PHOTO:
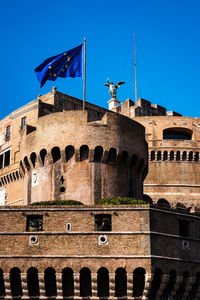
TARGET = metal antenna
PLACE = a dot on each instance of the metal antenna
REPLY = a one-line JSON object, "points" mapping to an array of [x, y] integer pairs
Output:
{"points": [[135, 70]]}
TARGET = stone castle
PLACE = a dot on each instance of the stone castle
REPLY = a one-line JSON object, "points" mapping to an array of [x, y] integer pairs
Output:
{"points": [[51, 149]]}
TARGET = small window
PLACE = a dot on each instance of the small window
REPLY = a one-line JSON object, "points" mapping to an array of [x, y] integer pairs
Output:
{"points": [[23, 122], [8, 132], [60, 103], [184, 228], [103, 222], [7, 158], [34, 223], [68, 226]]}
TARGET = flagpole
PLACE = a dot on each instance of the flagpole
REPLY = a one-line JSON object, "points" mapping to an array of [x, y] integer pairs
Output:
{"points": [[84, 71], [135, 70]]}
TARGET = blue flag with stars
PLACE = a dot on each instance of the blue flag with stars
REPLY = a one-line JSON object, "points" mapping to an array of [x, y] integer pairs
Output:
{"points": [[66, 64]]}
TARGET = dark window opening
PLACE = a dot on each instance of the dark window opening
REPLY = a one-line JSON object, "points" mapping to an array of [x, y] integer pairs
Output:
{"points": [[50, 282], [103, 282], [124, 157], [62, 189], [23, 122], [152, 155], [27, 163], [61, 103], [1, 161], [85, 283], [184, 228], [159, 155], [69, 152], [155, 284], [43, 153], [7, 133], [184, 155], [68, 282], [103, 222], [15, 282], [112, 155], [190, 158], [7, 158], [171, 157], [165, 155], [196, 156], [163, 202], [2, 286], [33, 282], [55, 152], [34, 223], [170, 285], [138, 282], [178, 155], [98, 154], [33, 158], [177, 134], [120, 283], [84, 152]]}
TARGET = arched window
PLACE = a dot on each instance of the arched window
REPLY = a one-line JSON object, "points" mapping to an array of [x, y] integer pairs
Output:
{"points": [[178, 155], [85, 282], [184, 155], [171, 156], [69, 152], [50, 282], [84, 152], [165, 155], [15, 282], [112, 155], [190, 157], [147, 198], [196, 156], [68, 282], [138, 282], [2, 286], [159, 155], [155, 284], [33, 158], [33, 282], [103, 282], [43, 153], [152, 155], [27, 163], [55, 152], [181, 290], [120, 282], [177, 134], [163, 202], [98, 154], [170, 285]]}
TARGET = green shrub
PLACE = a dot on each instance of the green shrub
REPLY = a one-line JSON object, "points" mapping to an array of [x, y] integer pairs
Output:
{"points": [[58, 202], [121, 201]]}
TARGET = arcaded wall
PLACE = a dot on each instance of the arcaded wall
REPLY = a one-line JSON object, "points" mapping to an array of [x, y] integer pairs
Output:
{"points": [[67, 157]]}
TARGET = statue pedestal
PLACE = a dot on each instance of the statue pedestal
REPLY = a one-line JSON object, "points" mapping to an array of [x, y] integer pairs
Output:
{"points": [[113, 102]]}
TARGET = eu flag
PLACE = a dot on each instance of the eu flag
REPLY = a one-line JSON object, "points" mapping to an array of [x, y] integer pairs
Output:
{"points": [[66, 64]]}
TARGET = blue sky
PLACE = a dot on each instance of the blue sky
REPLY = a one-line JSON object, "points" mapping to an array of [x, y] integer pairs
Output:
{"points": [[168, 49]]}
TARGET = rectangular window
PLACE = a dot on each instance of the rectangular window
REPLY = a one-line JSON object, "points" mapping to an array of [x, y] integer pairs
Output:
{"points": [[1, 161], [184, 228], [103, 222], [60, 103], [5, 159], [34, 223], [7, 133], [23, 122]]}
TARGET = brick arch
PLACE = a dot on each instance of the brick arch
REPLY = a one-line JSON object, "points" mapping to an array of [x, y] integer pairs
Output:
{"points": [[112, 155], [103, 282], [85, 282], [138, 282], [33, 282], [120, 282], [68, 282], [43, 154], [33, 158], [56, 154], [69, 152], [15, 282], [98, 154], [84, 152], [50, 282]]}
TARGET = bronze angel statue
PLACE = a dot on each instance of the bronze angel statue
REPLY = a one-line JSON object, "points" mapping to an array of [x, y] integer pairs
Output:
{"points": [[113, 88]]}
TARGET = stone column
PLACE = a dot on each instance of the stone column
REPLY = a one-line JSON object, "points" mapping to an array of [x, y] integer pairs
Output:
{"points": [[24, 285], [94, 284], [59, 286], [76, 285], [112, 285], [164, 280], [147, 285], [129, 285], [41, 284], [176, 286], [6, 277], [189, 281]]}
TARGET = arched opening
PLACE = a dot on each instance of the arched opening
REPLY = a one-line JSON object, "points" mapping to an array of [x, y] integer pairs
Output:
{"points": [[159, 155], [85, 282], [69, 152], [15, 282], [120, 282], [124, 157], [190, 157], [138, 282], [181, 290], [2, 286], [178, 155], [147, 198], [165, 155], [163, 202], [84, 152], [33, 282], [103, 282], [184, 155], [55, 152], [171, 156], [169, 286], [112, 155], [195, 288], [196, 156], [33, 158], [27, 163], [98, 154], [50, 282], [155, 284], [177, 134], [153, 155], [43, 154], [68, 282]]}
